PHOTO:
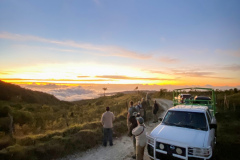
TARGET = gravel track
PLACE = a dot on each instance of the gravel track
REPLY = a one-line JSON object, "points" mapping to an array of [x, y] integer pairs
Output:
{"points": [[122, 148]]}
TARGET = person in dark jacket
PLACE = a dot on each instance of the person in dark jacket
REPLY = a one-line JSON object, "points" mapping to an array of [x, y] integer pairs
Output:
{"points": [[155, 110], [134, 124]]}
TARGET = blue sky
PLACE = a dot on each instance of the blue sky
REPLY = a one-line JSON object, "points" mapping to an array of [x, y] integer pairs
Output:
{"points": [[170, 42]]}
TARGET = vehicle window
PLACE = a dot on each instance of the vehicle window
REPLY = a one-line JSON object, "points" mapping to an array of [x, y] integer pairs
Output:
{"points": [[191, 120], [209, 114], [209, 118], [186, 96]]}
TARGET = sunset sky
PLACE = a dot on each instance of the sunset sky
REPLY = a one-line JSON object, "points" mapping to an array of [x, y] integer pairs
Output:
{"points": [[71, 46]]}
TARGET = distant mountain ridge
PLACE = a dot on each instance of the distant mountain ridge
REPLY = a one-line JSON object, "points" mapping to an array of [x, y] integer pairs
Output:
{"points": [[12, 92]]}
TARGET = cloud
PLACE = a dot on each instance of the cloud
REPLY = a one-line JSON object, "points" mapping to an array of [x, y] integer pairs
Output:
{"points": [[130, 78], [178, 73], [52, 80], [72, 93], [105, 50], [45, 87], [4, 73], [83, 76], [156, 71], [168, 60], [63, 92], [234, 67], [203, 74], [234, 53]]}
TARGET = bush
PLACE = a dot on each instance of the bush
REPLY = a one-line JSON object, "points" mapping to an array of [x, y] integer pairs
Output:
{"points": [[4, 110], [22, 117], [6, 141]]}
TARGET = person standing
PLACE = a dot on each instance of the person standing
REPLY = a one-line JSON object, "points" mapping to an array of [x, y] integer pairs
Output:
{"points": [[107, 122], [144, 107], [131, 110], [140, 134], [131, 123], [139, 107], [134, 124], [155, 110]]}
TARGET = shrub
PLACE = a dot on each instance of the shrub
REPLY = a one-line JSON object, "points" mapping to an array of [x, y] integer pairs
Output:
{"points": [[23, 117], [6, 141], [4, 110]]}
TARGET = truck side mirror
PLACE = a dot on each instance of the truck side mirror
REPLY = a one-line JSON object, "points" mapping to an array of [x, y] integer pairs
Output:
{"points": [[160, 119]]}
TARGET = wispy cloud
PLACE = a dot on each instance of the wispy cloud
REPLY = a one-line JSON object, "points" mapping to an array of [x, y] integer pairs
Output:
{"points": [[156, 71], [53, 80], [106, 50], [234, 53], [178, 73], [83, 76], [131, 78], [200, 74], [168, 60], [4, 73], [234, 67]]}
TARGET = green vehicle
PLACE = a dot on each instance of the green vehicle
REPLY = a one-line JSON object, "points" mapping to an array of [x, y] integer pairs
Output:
{"points": [[196, 97]]}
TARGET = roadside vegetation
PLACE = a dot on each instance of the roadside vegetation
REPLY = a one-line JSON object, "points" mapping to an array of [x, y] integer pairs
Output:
{"points": [[32, 129]]}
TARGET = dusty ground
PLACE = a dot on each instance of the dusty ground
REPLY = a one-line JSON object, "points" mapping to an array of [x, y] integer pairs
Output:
{"points": [[122, 148]]}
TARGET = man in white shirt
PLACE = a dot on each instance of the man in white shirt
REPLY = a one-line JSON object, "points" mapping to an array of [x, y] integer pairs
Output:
{"points": [[141, 139], [107, 122]]}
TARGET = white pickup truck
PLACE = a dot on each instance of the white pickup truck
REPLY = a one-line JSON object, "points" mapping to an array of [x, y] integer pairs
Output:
{"points": [[187, 132]]}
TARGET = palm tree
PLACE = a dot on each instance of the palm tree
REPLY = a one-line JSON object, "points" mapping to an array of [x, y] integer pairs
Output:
{"points": [[104, 90]]}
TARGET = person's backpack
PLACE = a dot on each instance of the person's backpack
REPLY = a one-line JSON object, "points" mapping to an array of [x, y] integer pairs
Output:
{"points": [[139, 107], [134, 124], [135, 109]]}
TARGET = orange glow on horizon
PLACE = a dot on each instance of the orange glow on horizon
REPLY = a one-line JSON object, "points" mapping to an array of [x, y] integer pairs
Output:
{"points": [[82, 82]]}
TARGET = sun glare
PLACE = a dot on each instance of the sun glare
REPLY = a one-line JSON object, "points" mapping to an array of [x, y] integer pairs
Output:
{"points": [[80, 73]]}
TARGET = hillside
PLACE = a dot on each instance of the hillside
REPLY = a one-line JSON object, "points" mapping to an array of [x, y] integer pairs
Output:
{"points": [[35, 125], [39, 126], [11, 92]]}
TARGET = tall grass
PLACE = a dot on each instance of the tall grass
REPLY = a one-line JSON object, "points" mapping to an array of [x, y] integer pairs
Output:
{"points": [[48, 131]]}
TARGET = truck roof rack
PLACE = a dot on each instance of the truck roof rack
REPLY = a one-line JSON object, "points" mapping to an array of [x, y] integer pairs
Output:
{"points": [[198, 100]]}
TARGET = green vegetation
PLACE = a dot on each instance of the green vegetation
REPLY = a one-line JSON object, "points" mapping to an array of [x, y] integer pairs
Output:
{"points": [[228, 132], [163, 93], [35, 129]]}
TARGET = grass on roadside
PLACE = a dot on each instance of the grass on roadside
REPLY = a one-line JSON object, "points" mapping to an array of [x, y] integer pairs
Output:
{"points": [[228, 135]]}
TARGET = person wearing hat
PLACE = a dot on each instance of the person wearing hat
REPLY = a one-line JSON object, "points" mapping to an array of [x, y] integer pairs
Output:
{"points": [[141, 139], [130, 116], [107, 122], [133, 125]]}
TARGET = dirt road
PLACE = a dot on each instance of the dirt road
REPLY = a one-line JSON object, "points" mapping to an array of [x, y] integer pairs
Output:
{"points": [[122, 148]]}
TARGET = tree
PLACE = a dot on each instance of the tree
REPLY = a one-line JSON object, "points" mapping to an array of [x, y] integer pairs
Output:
{"points": [[104, 89], [163, 92], [136, 89], [235, 90]]}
